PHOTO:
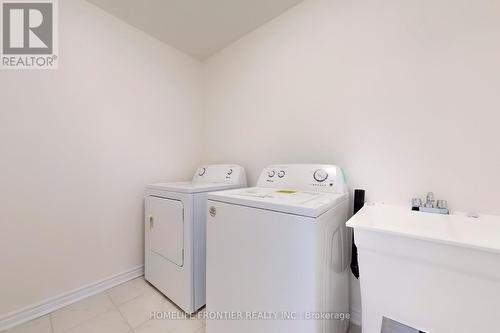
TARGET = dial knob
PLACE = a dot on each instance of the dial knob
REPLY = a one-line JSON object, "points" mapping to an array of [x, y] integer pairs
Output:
{"points": [[230, 172], [202, 171], [271, 173], [320, 175], [281, 174]]}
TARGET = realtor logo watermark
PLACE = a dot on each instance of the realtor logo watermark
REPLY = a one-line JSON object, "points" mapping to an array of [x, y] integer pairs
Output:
{"points": [[29, 34]]}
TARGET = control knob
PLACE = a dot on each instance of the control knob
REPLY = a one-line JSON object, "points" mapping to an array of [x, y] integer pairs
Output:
{"points": [[320, 175]]}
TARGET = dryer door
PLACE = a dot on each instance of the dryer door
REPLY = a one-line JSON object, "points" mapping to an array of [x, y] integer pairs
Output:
{"points": [[165, 228]]}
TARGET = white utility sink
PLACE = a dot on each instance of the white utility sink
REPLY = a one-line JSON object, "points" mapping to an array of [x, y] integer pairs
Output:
{"points": [[435, 273]]}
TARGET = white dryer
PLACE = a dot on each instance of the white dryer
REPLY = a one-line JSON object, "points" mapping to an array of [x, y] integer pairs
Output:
{"points": [[278, 254], [175, 233]]}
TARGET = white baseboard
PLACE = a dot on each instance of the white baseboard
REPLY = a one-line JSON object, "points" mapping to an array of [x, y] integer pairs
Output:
{"points": [[49, 305], [355, 316]]}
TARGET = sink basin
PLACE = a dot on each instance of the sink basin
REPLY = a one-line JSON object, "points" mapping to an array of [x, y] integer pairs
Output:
{"points": [[436, 273]]}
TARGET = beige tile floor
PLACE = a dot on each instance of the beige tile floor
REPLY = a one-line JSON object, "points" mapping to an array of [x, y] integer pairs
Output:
{"points": [[122, 309]]}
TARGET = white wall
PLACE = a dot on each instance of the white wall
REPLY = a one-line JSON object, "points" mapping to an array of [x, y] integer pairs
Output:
{"points": [[402, 94], [77, 146]]}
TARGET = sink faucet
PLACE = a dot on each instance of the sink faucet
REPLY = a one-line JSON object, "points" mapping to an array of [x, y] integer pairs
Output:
{"points": [[429, 202], [430, 205]]}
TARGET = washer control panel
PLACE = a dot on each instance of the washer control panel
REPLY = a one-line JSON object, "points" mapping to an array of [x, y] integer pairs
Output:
{"points": [[313, 177], [220, 173]]}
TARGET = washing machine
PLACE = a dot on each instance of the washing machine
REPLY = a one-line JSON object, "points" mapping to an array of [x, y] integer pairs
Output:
{"points": [[278, 254], [175, 233]]}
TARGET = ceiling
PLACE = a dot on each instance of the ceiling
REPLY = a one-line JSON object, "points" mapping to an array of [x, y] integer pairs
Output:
{"points": [[197, 27]]}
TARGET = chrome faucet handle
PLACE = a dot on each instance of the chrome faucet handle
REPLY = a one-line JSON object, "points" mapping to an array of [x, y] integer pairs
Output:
{"points": [[416, 202], [442, 204]]}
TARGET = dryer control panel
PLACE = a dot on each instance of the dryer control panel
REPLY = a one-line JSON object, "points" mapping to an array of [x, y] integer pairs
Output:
{"points": [[221, 173], [306, 177]]}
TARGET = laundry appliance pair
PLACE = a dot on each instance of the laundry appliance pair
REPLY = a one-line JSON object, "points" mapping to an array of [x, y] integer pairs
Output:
{"points": [[271, 258]]}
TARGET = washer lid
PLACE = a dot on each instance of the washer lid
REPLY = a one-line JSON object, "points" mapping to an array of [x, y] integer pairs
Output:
{"points": [[304, 203], [190, 187]]}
